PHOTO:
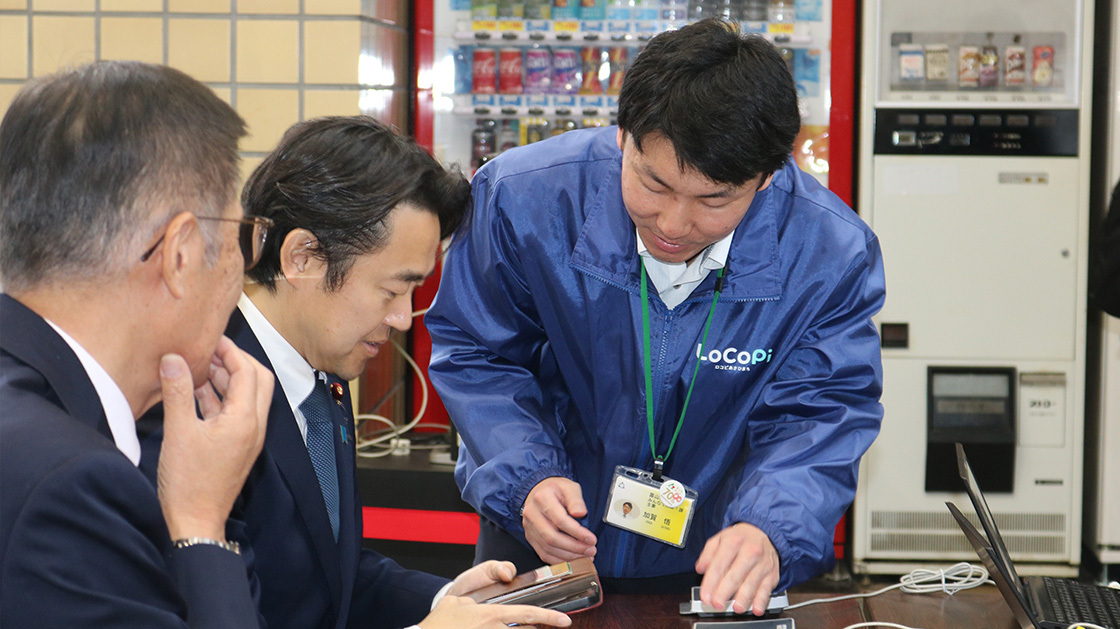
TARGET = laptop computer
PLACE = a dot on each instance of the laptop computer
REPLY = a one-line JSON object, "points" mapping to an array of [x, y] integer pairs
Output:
{"points": [[1036, 602]]}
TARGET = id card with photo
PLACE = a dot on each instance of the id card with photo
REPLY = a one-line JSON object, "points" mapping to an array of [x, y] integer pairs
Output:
{"points": [[661, 510]]}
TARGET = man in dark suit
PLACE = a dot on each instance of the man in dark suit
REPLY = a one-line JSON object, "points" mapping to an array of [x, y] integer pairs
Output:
{"points": [[119, 231], [359, 213]]}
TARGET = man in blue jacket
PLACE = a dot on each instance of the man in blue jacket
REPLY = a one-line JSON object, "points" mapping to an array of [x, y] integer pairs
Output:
{"points": [[668, 311]]}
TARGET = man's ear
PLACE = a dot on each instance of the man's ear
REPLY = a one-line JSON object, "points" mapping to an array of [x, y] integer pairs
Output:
{"points": [[182, 248], [765, 182], [298, 258]]}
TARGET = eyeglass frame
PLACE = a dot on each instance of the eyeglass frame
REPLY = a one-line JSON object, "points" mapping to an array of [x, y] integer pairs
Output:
{"points": [[253, 257]]}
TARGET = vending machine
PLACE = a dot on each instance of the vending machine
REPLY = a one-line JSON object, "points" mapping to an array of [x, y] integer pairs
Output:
{"points": [[494, 74], [1102, 477], [974, 172]]}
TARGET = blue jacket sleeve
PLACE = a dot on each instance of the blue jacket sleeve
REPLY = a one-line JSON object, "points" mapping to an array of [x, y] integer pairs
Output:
{"points": [[88, 550], [814, 422], [487, 345]]}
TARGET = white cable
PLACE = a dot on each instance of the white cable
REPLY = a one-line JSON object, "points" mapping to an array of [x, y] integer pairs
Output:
{"points": [[962, 576], [361, 444], [877, 623]]}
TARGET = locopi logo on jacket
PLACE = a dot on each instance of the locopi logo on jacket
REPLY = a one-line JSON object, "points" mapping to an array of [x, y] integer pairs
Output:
{"points": [[734, 359]]}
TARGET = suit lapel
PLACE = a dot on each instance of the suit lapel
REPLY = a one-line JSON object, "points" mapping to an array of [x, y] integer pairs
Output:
{"points": [[349, 530], [30, 338], [286, 447]]}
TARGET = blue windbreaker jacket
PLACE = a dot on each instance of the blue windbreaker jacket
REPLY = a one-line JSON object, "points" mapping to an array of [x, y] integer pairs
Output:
{"points": [[537, 354]]}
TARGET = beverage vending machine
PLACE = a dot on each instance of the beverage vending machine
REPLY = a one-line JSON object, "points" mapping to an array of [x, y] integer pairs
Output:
{"points": [[974, 173], [495, 74]]}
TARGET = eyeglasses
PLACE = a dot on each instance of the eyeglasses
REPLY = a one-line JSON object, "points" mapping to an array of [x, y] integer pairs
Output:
{"points": [[251, 236]]}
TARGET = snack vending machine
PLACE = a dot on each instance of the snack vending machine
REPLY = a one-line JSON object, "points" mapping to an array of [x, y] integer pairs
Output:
{"points": [[974, 173], [495, 74]]}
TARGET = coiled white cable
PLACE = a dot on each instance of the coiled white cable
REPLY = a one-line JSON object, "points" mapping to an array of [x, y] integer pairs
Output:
{"points": [[962, 576]]}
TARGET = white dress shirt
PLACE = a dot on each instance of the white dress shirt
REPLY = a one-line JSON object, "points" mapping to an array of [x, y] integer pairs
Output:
{"points": [[296, 375], [675, 281], [117, 411]]}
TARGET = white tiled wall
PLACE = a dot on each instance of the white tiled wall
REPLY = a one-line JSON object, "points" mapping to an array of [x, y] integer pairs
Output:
{"points": [[276, 61]]}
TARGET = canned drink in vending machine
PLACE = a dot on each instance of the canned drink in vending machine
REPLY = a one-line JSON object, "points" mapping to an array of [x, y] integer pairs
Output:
{"points": [[484, 71], [511, 9], [509, 71], [536, 130], [989, 66], [464, 59], [591, 60], [619, 59], [538, 70], [1043, 73], [968, 66], [566, 70], [538, 9], [937, 62], [1014, 65], [484, 9]]}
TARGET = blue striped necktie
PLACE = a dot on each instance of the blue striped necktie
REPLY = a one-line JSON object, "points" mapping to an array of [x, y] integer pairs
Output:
{"points": [[320, 445]]}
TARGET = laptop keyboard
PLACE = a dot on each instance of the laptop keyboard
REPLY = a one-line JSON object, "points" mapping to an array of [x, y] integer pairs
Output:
{"points": [[1076, 602]]}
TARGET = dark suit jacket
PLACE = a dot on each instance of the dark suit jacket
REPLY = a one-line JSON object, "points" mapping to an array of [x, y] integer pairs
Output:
{"points": [[305, 579], [82, 537]]}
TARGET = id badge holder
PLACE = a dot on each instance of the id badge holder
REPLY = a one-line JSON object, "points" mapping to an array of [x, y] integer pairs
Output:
{"points": [[661, 510]]}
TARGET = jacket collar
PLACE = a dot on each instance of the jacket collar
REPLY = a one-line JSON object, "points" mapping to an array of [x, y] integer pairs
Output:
{"points": [[28, 337], [607, 246], [286, 447]]}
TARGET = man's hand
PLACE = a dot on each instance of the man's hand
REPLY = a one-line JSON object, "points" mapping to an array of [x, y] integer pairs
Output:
{"points": [[739, 565], [485, 573], [203, 464], [549, 520], [454, 612]]}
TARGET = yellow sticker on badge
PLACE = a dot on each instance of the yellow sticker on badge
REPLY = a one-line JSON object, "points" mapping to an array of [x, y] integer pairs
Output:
{"points": [[635, 504]]}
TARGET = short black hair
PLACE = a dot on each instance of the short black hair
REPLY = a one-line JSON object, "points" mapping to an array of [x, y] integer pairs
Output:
{"points": [[86, 154], [340, 177], [726, 101]]}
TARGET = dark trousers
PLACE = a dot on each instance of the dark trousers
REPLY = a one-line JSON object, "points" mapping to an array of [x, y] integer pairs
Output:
{"points": [[495, 543]]}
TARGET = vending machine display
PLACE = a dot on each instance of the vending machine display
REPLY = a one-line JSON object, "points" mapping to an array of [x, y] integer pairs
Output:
{"points": [[549, 66]]}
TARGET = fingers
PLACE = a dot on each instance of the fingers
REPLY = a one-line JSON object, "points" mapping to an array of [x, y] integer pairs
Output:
{"points": [[549, 526], [527, 615], [453, 612], [177, 389], [503, 571], [482, 575], [571, 496], [740, 568]]}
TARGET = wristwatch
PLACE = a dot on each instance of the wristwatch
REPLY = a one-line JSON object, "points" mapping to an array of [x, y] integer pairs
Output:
{"points": [[232, 547]]}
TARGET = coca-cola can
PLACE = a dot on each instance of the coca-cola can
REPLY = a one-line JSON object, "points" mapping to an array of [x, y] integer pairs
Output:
{"points": [[538, 70], [484, 71], [509, 71], [566, 68]]}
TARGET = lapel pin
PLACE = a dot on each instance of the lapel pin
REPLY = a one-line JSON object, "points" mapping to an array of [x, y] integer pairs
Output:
{"points": [[336, 392]]}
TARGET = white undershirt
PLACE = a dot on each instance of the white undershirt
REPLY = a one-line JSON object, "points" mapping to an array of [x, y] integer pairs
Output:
{"points": [[675, 281], [296, 375], [117, 411]]}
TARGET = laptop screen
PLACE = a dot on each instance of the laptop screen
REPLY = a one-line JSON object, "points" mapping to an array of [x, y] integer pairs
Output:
{"points": [[1012, 593], [986, 520]]}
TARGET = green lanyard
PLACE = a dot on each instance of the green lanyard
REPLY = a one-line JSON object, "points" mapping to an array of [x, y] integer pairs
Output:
{"points": [[659, 461]]}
